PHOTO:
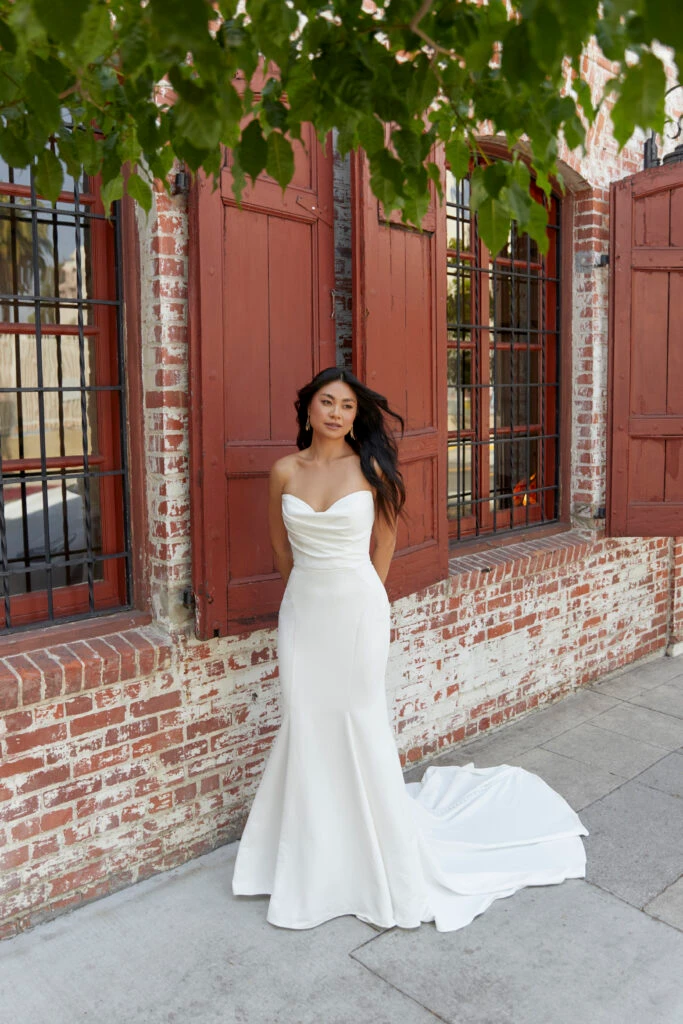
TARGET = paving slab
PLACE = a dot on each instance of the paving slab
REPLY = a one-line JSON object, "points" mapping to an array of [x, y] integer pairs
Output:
{"points": [[580, 784], [667, 698], [640, 677], [635, 847], [668, 906], [506, 744], [611, 751], [666, 775], [547, 955], [643, 724], [180, 949]]}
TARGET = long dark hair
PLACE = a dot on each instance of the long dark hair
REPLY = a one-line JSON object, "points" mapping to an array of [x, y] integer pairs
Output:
{"points": [[372, 442]]}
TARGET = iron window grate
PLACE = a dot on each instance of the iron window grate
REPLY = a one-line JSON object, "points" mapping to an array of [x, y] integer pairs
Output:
{"points": [[503, 376], [64, 518]]}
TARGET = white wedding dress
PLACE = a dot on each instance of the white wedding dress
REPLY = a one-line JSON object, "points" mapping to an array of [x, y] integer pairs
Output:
{"points": [[333, 828]]}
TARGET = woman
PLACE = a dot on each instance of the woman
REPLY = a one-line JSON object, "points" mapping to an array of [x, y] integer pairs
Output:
{"points": [[333, 829]]}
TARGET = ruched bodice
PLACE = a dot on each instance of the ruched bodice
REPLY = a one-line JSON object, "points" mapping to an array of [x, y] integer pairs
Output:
{"points": [[338, 537]]}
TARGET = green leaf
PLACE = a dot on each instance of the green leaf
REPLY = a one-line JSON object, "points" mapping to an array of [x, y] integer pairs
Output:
{"points": [[494, 224], [8, 40], [134, 47], [253, 150], [62, 20], [13, 149], [641, 99], [458, 157], [140, 191], [111, 191], [44, 102], [89, 150], [95, 37], [280, 162], [371, 134], [69, 154], [48, 175]]}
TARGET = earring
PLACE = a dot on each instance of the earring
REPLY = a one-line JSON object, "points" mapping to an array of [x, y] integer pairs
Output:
{"points": [[352, 433], [308, 423]]}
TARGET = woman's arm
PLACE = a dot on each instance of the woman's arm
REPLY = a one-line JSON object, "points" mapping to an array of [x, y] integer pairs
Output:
{"points": [[279, 541], [384, 536]]}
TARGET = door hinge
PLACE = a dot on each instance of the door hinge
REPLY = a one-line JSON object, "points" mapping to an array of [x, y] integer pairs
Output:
{"points": [[189, 600]]}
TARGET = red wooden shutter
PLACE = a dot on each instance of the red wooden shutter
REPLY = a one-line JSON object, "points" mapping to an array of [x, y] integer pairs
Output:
{"points": [[399, 311], [645, 462], [261, 278]]}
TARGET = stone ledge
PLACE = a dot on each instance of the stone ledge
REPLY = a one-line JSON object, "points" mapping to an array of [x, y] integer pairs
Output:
{"points": [[63, 669], [527, 557]]}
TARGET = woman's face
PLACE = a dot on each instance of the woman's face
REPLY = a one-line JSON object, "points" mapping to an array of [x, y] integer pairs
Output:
{"points": [[333, 409]]}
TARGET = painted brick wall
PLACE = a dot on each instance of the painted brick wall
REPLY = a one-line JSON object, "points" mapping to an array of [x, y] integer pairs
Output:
{"points": [[124, 755]]}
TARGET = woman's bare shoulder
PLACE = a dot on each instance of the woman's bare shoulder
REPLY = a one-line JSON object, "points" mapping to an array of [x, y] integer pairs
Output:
{"points": [[282, 469]]}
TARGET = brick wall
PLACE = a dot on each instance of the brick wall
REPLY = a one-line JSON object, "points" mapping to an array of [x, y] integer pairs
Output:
{"points": [[125, 754]]}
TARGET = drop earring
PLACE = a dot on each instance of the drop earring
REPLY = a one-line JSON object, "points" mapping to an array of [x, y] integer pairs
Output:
{"points": [[352, 433], [308, 423]]}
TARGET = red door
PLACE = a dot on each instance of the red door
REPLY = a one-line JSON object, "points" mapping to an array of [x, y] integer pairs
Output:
{"points": [[645, 462], [261, 327], [400, 351]]}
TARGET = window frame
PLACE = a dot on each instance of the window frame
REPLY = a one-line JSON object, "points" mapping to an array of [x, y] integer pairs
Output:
{"points": [[51, 607], [549, 511]]}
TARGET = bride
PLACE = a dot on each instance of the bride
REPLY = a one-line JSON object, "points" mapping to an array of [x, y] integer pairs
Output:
{"points": [[333, 828]]}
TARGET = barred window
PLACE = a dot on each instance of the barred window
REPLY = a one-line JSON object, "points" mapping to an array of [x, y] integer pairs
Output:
{"points": [[64, 549], [502, 316]]}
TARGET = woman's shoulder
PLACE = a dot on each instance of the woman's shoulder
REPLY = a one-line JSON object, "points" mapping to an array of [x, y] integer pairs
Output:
{"points": [[283, 468]]}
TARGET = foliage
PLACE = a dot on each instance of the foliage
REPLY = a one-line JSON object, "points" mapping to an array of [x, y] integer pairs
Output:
{"points": [[395, 77]]}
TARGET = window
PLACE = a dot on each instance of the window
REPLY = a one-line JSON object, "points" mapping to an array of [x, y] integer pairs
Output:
{"points": [[502, 375], [63, 538]]}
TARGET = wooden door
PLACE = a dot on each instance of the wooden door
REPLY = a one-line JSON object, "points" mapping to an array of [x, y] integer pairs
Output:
{"points": [[400, 351], [261, 287], [645, 460]]}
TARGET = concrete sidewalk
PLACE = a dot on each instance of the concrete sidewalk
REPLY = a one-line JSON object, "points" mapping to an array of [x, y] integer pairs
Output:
{"points": [[180, 949]]}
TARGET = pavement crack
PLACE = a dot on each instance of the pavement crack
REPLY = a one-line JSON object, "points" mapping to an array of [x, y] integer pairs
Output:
{"points": [[406, 995]]}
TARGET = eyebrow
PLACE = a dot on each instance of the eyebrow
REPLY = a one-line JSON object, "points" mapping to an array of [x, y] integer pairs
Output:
{"points": [[327, 394]]}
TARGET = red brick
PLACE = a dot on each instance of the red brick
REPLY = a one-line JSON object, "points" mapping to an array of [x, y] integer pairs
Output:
{"points": [[72, 791], [42, 779], [56, 819], [53, 677], [78, 705], [15, 722], [100, 720], [20, 767], [31, 678], [14, 810], [159, 741], [103, 759], [14, 858], [9, 690], [131, 730], [151, 705], [46, 847], [35, 738]]}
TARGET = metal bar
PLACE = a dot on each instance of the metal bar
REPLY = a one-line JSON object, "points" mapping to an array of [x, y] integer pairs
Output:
{"points": [[527, 447], [84, 409], [3, 552], [123, 417], [52, 462], [37, 477], [50, 390], [41, 403], [18, 378]]}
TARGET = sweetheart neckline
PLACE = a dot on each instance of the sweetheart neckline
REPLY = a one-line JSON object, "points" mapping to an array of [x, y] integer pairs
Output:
{"points": [[321, 511]]}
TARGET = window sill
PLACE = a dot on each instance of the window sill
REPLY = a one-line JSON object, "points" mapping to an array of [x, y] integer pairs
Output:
{"points": [[491, 560], [64, 660]]}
